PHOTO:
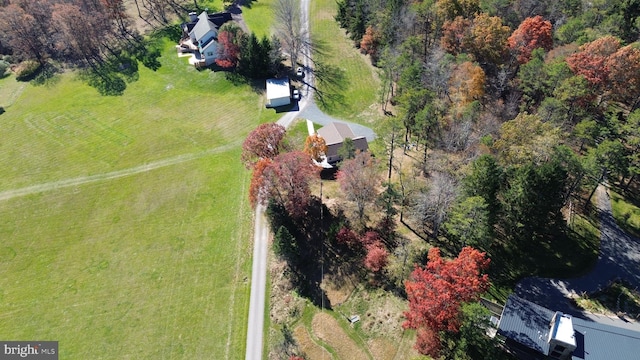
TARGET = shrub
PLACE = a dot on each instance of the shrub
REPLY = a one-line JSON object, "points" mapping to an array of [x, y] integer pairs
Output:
{"points": [[3, 68], [27, 70]]}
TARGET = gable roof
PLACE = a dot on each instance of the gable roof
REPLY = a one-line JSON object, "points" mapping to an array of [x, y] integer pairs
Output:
{"points": [[203, 26], [335, 133], [528, 324]]}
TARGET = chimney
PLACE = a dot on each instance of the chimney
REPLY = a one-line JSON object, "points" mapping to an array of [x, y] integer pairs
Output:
{"points": [[562, 340], [193, 17]]}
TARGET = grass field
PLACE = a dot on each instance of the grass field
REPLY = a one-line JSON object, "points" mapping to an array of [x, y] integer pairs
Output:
{"points": [[354, 93], [129, 261]]}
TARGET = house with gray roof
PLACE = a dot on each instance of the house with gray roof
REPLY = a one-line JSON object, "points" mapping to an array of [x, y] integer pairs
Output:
{"points": [[534, 332], [202, 33], [334, 135]]}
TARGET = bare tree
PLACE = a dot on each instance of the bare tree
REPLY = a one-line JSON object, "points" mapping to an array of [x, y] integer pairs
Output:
{"points": [[431, 206], [289, 30], [358, 180], [22, 32]]}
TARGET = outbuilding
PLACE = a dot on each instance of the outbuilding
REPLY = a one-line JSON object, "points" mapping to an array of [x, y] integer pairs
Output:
{"points": [[278, 92]]}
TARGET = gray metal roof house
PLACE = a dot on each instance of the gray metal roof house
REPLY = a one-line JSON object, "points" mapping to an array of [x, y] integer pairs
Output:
{"points": [[534, 332]]}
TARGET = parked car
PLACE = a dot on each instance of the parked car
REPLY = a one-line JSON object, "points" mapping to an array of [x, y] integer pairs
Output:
{"points": [[299, 72], [296, 94]]}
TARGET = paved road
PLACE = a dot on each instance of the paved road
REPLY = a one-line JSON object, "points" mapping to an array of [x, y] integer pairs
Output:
{"points": [[619, 259]]}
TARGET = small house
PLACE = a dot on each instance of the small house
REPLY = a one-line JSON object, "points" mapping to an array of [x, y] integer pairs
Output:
{"points": [[278, 92], [334, 135]]}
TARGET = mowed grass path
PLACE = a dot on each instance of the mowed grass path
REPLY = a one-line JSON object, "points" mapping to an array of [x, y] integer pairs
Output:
{"points": [[152, 265], [356, 90]]}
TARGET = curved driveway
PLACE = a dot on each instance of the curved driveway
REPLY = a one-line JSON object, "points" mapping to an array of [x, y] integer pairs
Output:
{"points": [[619, 258]]}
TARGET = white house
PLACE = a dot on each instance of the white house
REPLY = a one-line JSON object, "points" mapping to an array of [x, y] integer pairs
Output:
{"points": [[202, 32], [278, 92]]}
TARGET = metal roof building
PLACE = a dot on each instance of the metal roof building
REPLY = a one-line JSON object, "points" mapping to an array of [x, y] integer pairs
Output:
{"points": [[278, 92], [529, 327], [334, 135]]}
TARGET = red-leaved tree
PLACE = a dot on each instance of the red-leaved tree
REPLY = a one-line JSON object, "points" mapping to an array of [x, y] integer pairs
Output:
{"points": [[591, 60], [346, 236], [376, 258], [437, 291], [533, 33], [624, 75], [229, 42], [286, 180], [264, 142]]}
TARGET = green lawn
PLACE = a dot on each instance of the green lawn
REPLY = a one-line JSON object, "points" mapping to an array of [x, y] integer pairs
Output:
{"points": [[259, 16], [351, 84], [627, 214], [151, 265]]}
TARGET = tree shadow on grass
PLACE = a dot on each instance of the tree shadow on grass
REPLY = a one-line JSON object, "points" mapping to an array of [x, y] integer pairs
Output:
{"points": [[315, 253]]}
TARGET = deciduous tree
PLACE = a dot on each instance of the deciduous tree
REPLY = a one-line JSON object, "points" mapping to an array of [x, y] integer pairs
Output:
{"points": [[264, 142], [22, 32], [370, 43], [359, 180], [526, 138], [466, 84], [315, 146], [533, 33], [287, 179], [624, 74], [591, 60], [376, 258], [450, 9], [289, 29], [437, 291], [230, 40]]}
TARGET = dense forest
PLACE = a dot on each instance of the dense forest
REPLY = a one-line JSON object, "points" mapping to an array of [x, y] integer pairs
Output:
{"points": [[518, 109]]}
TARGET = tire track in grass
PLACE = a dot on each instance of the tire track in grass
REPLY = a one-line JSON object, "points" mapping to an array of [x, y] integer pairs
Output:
{"points": [[60, 184]]}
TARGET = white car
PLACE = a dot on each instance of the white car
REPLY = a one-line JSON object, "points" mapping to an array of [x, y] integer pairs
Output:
{"points": [[296, 94], [299, 72]]}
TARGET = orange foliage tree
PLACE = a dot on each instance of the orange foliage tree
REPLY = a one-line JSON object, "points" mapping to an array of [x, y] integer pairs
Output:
{"points": [[315, 146], [484, 37], [370, 43], [467, 83], [437, 291], [533, 33]]}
